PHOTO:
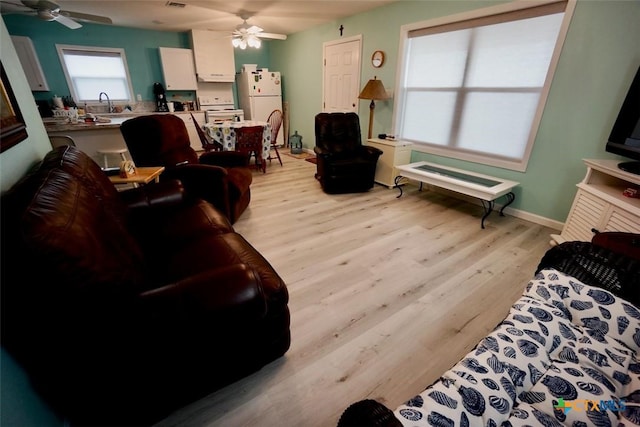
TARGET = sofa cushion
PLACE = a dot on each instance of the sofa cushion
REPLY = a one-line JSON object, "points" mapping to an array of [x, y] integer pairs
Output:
{"points": [[65, 230], [563, 345]]}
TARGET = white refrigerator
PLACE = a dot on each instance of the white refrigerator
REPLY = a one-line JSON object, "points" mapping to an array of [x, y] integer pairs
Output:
{"points": [[259, 93]]}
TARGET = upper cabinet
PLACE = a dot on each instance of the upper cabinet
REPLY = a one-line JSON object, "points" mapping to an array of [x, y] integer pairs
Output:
{"points": [[177, 67], [30, 64], [213, 54]]}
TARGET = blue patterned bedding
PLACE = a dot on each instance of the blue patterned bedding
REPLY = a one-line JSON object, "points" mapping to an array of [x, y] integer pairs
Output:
{"points": [[567, 354]]}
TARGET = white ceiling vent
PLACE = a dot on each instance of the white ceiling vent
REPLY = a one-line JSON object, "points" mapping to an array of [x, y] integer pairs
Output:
{"points": [[174, 4]]}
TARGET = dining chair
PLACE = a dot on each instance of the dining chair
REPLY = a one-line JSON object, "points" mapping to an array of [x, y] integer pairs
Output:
{"points": [[208, 144], [275, 120], [249, 141], [60, 140]]}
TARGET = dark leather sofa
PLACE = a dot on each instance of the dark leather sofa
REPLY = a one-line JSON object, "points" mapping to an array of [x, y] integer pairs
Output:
{"points": [[124, 306]]}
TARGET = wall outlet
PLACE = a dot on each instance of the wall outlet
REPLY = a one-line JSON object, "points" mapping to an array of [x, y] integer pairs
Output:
{"points": [[139, 97]]}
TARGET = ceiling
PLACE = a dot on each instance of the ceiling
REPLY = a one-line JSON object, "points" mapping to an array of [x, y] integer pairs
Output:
{"points": [[274, 16]]}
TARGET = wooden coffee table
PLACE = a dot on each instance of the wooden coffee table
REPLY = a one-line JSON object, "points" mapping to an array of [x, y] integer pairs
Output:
{"points": [[144, 175]]}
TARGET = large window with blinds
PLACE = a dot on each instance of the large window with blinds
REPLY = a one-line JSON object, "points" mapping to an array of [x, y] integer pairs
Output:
{"points": [[473, 86], [91, 70]]}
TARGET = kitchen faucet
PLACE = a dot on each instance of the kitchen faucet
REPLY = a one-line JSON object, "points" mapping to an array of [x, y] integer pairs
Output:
{"points": [[108, 101]]}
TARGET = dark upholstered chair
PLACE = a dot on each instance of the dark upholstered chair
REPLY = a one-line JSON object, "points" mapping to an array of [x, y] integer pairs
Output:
{"points": [[344, 165], [222, 178], [249, 142]]}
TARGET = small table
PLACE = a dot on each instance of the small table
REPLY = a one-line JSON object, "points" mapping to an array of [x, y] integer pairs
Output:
{"points": [[144, 175], [484, 187], [224, 134]]}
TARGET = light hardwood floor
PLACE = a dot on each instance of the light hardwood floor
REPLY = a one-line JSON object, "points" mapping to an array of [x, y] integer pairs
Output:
{"points": [[385, 295]]}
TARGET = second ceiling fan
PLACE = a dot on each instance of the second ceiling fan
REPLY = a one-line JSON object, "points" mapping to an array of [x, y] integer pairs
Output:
{"points": [[250, 35]]}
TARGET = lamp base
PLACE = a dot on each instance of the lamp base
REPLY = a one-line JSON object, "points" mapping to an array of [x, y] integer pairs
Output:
{"points": [[372, 107]]}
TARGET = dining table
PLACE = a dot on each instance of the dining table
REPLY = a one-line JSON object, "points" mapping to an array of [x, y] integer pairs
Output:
{"points": [[224, 133]]}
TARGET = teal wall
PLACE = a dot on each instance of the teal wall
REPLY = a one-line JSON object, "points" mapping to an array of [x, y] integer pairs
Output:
{"points": [[597, 64], [141, 49], [599, 59], [19, 403]]}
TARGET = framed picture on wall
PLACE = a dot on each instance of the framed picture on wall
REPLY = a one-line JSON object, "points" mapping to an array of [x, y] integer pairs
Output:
{"points": [[12, 126]]}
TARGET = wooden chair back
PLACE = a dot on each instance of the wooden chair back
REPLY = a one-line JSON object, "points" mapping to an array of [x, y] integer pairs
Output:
{"points": [[208, 143], [249, 141]]}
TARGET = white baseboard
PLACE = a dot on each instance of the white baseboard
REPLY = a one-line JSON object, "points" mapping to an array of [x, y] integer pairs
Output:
{"points": [[517, 213]]}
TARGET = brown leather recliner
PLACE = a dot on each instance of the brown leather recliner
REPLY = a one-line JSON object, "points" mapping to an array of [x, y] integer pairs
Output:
{"points": [[124, 306], [344, 165], [222, 178]]}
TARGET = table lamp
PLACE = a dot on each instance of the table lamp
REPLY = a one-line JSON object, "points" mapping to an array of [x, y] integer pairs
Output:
{"points": [[373, 90]]}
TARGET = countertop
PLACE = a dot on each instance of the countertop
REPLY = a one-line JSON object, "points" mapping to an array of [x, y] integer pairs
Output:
{"points": [[52, 124]]}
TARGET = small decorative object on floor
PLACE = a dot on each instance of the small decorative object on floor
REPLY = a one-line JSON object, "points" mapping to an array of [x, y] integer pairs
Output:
{"points": [[295, 141]]}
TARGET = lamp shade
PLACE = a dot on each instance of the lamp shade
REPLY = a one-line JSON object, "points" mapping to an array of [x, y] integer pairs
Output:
{"points": [[374, 89]]}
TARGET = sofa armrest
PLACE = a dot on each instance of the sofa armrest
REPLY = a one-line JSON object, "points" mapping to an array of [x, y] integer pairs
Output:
{"points": [[371, 152], [233, 292], [226, 159], [203, 182], [321, 151], [166, 193]]}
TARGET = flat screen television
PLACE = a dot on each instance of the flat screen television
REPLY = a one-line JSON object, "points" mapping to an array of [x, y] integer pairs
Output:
{"points": [[625, 135]]}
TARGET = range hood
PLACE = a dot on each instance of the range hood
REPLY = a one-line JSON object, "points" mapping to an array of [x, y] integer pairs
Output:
{"points": [[216, 78], [213, 56]]}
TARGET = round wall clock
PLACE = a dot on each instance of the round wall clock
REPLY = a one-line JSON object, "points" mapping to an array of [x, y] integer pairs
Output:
{"points": [[377, 59]]}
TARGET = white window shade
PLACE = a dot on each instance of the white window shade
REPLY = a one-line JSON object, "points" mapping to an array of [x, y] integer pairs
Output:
{"points": [[475, 86], [90, 72]]}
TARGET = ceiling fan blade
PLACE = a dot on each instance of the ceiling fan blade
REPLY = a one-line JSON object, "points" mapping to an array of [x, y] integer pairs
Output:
{"points": [[40, 4], [86, 17], [272, 36], [67, 22]]}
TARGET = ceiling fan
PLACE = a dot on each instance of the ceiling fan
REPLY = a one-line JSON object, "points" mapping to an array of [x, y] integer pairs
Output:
{"points": [[49, 11], [250, 35]]}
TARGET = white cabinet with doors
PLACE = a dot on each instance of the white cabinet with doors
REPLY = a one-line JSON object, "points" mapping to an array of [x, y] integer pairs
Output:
{"points": [[213, 56], [599, 204], [394, 153], [30, 63], [178, 69]]}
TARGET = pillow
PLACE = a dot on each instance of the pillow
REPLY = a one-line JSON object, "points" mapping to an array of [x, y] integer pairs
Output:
{"points": [[627, 244]]}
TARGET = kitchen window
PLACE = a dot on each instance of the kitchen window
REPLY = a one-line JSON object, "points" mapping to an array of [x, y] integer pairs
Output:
{"points": [[473, 86], [92, 70]]}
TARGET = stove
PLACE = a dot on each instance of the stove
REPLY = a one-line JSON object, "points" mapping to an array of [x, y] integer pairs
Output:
{"points": [[219, 108]]}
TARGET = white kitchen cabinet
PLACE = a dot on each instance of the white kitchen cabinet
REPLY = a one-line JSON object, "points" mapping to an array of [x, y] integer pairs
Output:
{"points": [[600, 205], [213, 56], [194, 139], [394, 153], [178, 69], [30, 63]]}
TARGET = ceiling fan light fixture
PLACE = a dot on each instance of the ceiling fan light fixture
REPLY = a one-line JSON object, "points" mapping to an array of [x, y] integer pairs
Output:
{"points": [[253, 41]]}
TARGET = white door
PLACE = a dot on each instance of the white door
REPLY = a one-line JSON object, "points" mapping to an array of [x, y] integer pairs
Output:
{"points": [[341, 74]]}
